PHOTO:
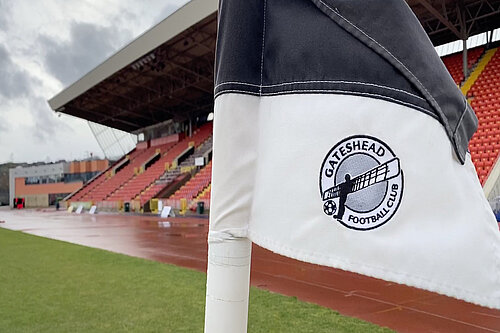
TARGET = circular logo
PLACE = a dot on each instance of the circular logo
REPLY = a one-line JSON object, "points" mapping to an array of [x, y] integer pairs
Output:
{"points": [[361, 182]]}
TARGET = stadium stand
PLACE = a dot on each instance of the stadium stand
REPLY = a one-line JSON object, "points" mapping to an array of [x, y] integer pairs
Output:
{"points": [[114, 181], [454, 63], [204, 196], [100, 178], [139, 183], [146, 170], [171, 175], [142, 174], [485, 99], [206, 193], [195, 186]]}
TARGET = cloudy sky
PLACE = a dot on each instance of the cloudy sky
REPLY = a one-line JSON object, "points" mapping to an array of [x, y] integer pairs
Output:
{"points": [[44, 47]]}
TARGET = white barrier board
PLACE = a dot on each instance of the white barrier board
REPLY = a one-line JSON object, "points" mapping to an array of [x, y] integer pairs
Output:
{"points": [[199, 161], [165, 212], [160, 206]]}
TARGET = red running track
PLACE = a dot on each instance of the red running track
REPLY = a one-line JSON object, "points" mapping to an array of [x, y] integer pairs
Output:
{"points": [[182, 241]]}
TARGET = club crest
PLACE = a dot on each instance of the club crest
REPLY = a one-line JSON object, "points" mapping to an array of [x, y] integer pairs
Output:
{"points": [[361, 183]]}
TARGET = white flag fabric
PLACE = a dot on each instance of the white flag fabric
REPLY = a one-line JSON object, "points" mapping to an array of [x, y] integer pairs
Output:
{"points": [[330, 150]]}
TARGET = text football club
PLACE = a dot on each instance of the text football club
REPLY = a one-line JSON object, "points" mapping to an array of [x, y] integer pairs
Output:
{"points": [[361, 182]]}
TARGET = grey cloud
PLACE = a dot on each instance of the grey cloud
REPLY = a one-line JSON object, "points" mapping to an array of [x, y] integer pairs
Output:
{"points": [[14, 81], [4, 14], [126, 17], [88, 46], [4, 125], [46, 124]]}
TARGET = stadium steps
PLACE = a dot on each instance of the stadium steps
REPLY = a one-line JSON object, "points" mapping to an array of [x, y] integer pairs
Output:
{"points": [[204, 192], [112, 172], [202, 141], [99, 179], [159, 184], [481, 65], [195, 185], [172, 175], [139, 177], [454, 63], [472, 63], [122, 176], [485, 93], [203, 196], [142, 186], [80, 193]]}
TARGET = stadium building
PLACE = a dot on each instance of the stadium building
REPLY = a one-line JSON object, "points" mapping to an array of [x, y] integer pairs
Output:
{"points": [[159, 88], [42, 185]]}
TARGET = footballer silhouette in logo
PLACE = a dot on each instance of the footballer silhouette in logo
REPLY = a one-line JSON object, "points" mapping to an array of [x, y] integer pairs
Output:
{"points": [[371, 197], [344, 189]]}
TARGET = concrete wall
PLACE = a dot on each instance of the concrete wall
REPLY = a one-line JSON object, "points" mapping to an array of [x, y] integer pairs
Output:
{"points": [[36, 200]]}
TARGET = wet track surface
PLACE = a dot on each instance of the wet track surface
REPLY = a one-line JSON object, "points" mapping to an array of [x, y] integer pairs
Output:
{"points": [[182, 241]]}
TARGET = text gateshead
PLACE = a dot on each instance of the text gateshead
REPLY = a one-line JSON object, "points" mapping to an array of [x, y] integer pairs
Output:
{"points": [[357, 145]]}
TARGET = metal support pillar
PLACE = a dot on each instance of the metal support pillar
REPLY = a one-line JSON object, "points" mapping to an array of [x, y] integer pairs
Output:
{"points": [[464, 34], [464, 58]]}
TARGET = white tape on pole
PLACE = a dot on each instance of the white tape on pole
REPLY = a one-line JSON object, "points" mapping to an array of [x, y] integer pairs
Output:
{"points": [[228, 283]]}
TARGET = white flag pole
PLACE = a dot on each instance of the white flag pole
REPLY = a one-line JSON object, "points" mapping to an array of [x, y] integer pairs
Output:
{"points": [[228, 282]]}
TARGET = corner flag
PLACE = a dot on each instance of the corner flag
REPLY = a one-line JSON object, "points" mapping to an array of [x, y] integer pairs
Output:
{"points": [[340, 139]]}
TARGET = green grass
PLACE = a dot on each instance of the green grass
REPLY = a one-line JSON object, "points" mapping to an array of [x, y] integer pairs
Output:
{"points": [[52, 286]]}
